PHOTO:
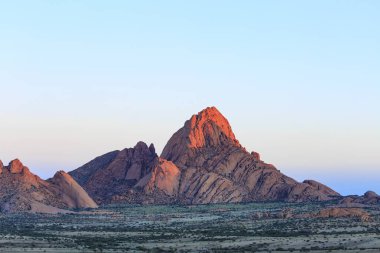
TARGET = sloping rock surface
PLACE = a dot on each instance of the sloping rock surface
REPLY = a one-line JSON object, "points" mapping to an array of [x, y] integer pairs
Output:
{"points": [[23, 191]]}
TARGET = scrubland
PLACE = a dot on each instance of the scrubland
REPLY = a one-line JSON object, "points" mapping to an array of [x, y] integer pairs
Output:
{"points": [[253, 227]]}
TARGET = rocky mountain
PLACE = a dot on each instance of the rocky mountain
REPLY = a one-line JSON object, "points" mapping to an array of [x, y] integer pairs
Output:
{"points": [[21, 190], [133, 175], [216, 168], [203, 162]]}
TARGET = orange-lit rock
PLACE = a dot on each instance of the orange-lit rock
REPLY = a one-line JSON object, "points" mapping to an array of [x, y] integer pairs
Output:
{"points": [[209, 128], [16, 166], [164, 177]]}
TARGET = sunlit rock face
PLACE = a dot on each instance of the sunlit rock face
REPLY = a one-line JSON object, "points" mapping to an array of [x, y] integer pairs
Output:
{"points": [[22, 191], [203, 162], [16, 166], [209, 129]]}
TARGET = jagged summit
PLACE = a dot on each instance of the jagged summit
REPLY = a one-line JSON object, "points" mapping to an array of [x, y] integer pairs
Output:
{"points": [[207, 129], [16, 166], [141, 149]]}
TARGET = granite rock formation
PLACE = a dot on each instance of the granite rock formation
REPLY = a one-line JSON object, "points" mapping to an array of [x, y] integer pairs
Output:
{"points": [[133, 175], [22, 191], [202, 163], [216, 168]]}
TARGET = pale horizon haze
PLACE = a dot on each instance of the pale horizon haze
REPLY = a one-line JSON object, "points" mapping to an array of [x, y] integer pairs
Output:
{"points": [[299, 81]]}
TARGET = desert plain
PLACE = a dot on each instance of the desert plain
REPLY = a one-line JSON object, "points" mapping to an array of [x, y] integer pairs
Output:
{"points": [[244, 227]]}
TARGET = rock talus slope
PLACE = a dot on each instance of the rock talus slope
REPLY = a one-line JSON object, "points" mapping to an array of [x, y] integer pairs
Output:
{"points": [[22, 191], [203, 162]]}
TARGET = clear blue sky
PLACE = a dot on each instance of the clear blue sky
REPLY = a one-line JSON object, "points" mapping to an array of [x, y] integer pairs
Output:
{"points": [[298, 80]]}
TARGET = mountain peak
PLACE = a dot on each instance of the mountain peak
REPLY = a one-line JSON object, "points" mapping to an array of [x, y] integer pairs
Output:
{"points": [[210, 109], [141, 149], [209, 128]]}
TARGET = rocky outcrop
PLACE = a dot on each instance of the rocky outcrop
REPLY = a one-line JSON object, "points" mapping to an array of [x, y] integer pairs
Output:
{"points": [[369, 198], [216, 168], [23, 191], [16, 167], [164, 177], [202, 163], [133, 175], [336, 212], [286, 213]]}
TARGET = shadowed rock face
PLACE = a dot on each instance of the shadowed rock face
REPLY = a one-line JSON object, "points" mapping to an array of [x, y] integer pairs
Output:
{"points": [[21, 190], [203, 162], [134, 175]]}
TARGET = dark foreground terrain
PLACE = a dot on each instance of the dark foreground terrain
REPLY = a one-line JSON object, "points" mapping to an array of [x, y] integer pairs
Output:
{"points": [[258, 227]]}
